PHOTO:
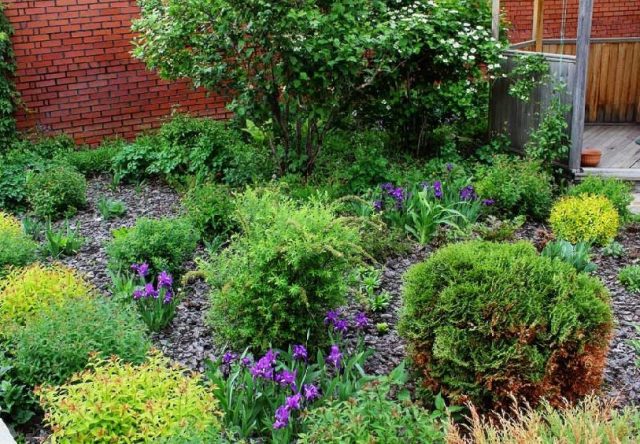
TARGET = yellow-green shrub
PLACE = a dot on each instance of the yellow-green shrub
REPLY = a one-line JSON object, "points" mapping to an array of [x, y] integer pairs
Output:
{"points": [[115, 402], [585, 218], [16, 248], [25, 292], [9, 224]]}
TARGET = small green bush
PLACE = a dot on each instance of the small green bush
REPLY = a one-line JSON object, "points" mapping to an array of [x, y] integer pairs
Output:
{"points": [[16, 248], [279, 277], [210, 209], [113, 401], [518, 187], [55, 192], [585, 218], [92, 162], [629, 276], [616, 190], [56, 344], [165, 244], [486, 320]]}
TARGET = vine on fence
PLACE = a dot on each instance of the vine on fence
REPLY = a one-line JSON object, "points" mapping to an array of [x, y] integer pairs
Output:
{"points": [[8, 92]]}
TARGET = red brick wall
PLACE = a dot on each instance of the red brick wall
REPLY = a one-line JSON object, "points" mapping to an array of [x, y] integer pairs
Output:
{"points": [[611, 18], [75, 72]]}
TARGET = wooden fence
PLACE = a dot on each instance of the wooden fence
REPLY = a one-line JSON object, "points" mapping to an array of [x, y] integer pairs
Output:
{"points": [[516, 118], [613, 80]]}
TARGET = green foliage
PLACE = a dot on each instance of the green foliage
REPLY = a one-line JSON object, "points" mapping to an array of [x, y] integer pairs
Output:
{"points": [[362, 52], [165, 244], [16, 402], [613, 249], [518, 187], [425, 215], [278, 278], [530, 71], [26, 292], [57, 343], [550, 142], [382, 328], [133, 403], [94, 161], [9, 97], [65, 241], [16, 248], [499, 230], [629, 276], [485, 321], [577, 255], [189, 146], [616, 190], [210, 209], [370, 416], [156, 304], [57, 191], [110, 208], [585, 218], [366, 281]]}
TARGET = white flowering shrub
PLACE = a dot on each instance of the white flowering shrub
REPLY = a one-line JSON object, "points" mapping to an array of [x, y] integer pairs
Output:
{"points": [[300, 68]]}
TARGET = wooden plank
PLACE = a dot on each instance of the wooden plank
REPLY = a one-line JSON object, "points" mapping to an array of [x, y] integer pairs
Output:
{"points": [[538, 24]]}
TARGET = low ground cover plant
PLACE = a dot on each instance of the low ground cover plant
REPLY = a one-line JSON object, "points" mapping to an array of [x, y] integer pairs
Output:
{"points": [[151, 402], [110, 208], [282, 273], [613, 249], [17, 249], [63, 241], [577, 255], [617, 191], [94, 161], [585, 218], [629, 276], [24, 293], [486, 321], [164, 244], [56, 192]]}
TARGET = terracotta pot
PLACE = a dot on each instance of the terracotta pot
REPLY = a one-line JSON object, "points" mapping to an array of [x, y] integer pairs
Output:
{"points": [[591, 157]]}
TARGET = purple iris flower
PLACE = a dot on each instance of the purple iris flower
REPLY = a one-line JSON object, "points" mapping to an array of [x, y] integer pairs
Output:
{"points": [[488, 202], [332, 317], [377, 206], [142, 269], [282, 417], [341, 326], [468, 193], [437, 189], [165, 280], [293, 402], [264, 367], [335, 356], [311, 392], [168, 296], [287, 378], [149, 291], [300, 353], [246, 361], [229, 357], [449, 167], [387, 187], [361, 320], [138, 294]]}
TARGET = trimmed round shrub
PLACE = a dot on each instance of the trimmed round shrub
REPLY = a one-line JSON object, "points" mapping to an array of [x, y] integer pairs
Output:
{"points": [[94, 161], [57, 343], [210, 209], [585, 218], [485, 320], [26, 292], [16, 248], [617, 191], [518, 187], [278, 278], [165, 244], [56, 192], [152, 402]]}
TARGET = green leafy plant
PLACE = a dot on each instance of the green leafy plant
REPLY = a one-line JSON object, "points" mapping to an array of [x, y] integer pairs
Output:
{"points": [[530, 71], [150, 402], [210, 209], [382, 328], [499, 230], [65, 241], [549, 143], [425, 215], [16, 248], [156, 304], [488, 321], [617, 191], [57, 191], [370, 416], [111, 208], [94, 161], [629, 276], [517, 187], [165, 244], [57, 343], [366, 281], [17, 404], [613, 249], [9, 96], [578, 255], [286, 268], [33, 227], [585, 218]]}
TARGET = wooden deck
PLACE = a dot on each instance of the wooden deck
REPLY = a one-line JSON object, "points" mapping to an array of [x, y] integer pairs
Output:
{"points": [[617, 142]]}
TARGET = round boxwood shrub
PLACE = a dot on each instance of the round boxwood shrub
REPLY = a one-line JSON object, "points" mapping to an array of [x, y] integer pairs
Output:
{"points": [[485, 320], [278, 278], [57, 343], [26, 292], [113, 401], [210, 209], [617, 191], [585, 218], [165, 244], [56, 192], [16, 248]]}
